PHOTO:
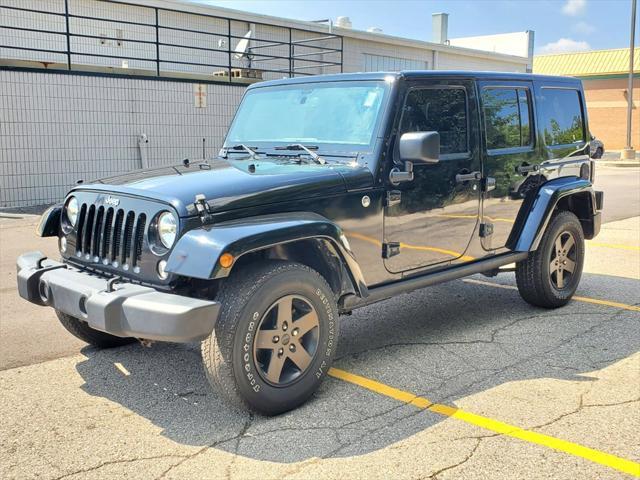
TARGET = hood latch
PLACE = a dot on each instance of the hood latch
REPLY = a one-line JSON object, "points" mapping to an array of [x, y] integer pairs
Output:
{"points": [[202, 207]]}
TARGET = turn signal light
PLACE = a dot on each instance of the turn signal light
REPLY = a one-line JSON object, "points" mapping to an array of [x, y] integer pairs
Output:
{"points": [[226, 260]]}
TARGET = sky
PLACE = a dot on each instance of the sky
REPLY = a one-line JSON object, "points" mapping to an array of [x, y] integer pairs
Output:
{"points": [[559, 25]]}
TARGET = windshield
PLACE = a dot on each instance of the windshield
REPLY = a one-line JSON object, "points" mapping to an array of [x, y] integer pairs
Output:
{"points": [[318, 113]]}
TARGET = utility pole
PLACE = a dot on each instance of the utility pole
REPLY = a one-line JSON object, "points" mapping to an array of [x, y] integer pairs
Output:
{"points": [[629, 153]]}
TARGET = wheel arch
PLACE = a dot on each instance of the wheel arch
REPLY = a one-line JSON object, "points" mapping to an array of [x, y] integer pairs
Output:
{"points": [[567, 193], [304, 237], [49, 222], [317, 253]]}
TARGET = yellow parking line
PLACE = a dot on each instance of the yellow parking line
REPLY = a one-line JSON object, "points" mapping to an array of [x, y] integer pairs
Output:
{"points": [[618, 246], [454, 254], [366, 238], [122, 369], [474, 217], [596, 301], [607, 303], [596, 456], [377, 242]]}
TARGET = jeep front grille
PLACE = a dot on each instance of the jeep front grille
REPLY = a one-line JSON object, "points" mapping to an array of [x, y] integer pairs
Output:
{"points": [[110, 235]]}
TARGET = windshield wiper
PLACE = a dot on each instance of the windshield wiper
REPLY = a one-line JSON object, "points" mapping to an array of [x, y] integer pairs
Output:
{"points": [[252, 153], [298, 146]]}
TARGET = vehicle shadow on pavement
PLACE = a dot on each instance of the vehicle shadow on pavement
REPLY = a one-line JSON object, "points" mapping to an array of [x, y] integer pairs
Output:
{"points": [[445, 343]]}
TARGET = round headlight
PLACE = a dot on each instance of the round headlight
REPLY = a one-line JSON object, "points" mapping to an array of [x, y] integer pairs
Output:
{"points": [[167, 228], [72, 211]]}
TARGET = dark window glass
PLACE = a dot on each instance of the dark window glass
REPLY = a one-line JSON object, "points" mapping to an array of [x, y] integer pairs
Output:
{"points": [[525, 126], [506, 112], [562, 116], [442, 110]]}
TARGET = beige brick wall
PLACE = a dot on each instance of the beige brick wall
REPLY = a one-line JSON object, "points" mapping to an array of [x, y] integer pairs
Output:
{"points": [[607, 107]]}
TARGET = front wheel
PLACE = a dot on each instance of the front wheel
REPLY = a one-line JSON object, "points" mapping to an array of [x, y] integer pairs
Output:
{"points": [[550, 275], [275, 338]]}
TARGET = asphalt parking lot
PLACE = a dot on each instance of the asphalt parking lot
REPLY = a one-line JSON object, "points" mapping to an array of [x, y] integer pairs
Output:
{"points": [[461, 380]]}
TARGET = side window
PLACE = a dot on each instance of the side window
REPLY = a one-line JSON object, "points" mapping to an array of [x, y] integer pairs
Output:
{"points": [[562, 118], [507, 117], [442, 110]]}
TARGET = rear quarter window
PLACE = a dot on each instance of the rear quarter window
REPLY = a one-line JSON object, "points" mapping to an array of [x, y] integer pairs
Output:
{"points": [[562, 117]]}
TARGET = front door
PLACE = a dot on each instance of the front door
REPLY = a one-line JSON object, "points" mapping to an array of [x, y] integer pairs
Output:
{"points": [[510, 156], [430, 220]]}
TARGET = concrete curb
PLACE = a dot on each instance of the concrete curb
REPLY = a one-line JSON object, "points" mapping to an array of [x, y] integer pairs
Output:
{"points": [[619, 163]]}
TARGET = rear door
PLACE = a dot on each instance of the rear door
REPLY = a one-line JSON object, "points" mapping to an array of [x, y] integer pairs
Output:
{"points": [[511, 156], [431, 219]]}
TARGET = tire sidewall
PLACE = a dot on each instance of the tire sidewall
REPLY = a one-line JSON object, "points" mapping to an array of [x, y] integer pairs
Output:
{"points": [[561, 223], [255, 391]]}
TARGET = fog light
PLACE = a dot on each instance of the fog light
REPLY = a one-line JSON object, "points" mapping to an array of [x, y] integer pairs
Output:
{"points": [[63, 244], [162, 273]]}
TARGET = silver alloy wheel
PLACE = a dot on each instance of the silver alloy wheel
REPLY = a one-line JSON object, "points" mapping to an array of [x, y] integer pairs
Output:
{"points": [[563, 260], [286, 340]]}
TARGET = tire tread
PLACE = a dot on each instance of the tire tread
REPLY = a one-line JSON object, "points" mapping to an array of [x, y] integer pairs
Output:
{"points": [[234, 294], [84, 332], [529, 272]]}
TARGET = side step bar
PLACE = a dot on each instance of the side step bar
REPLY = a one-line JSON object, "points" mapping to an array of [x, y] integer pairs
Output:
{"points": [[410, 284]]}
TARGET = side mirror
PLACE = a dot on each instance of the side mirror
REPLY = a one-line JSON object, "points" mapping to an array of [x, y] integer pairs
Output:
{"points": [[420, 147]]}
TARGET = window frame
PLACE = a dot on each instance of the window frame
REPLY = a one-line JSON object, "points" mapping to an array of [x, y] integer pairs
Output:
{"points": [[532, 123], [443, 156], [583, 117]]}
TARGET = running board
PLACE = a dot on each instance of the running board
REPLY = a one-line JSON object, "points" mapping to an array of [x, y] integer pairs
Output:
{"points": [[407, 285]]}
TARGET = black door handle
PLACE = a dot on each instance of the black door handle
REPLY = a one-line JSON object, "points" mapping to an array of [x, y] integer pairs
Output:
{"points": [[468, 177], [527, 168]]}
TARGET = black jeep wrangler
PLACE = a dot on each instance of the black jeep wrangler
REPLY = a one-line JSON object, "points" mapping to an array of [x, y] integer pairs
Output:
{"points": [[330, 193]]}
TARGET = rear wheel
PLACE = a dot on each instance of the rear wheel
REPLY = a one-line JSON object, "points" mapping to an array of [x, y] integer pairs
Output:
{"points": [[84, 332], [275, 338], [550, 275]]}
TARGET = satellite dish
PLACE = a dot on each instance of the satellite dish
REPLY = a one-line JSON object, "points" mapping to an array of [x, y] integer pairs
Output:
{"points": [[242, 47]]}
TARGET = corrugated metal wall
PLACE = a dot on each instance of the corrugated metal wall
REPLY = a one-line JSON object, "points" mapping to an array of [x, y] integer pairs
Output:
{"points": [[58, 128]]}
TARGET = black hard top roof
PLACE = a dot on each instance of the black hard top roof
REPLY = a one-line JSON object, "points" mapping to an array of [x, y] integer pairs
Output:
{"points": [[418, 74]]}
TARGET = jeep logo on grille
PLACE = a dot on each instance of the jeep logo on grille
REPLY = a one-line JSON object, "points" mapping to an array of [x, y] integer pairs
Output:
{"points": [[114, 202]]}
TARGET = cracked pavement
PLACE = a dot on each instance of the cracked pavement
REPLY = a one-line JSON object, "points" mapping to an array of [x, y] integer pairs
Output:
{"points": [[573, 373]]}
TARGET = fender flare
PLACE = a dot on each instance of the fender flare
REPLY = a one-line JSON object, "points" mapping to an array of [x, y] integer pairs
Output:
{"points": [[197, 252], [536, 212], [49, 222]]}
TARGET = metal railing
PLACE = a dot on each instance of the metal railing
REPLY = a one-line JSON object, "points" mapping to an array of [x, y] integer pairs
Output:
{"points": [[159, 47]]}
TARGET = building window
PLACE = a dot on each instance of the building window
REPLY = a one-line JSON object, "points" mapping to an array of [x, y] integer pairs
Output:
{"points": [[382, 63], [506, 117], [562, 116], [442, 110]]}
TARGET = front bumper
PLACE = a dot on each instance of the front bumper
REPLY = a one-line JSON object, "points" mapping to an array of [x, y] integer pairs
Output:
{"points": [[120, 309]]}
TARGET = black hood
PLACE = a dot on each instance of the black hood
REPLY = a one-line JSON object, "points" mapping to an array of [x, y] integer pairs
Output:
{"points": [[236, 184]]}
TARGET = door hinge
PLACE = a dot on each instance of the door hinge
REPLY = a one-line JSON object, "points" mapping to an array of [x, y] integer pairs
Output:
{"points": [[486, 230], [390, 249], [393, 198], [488, 184]]}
